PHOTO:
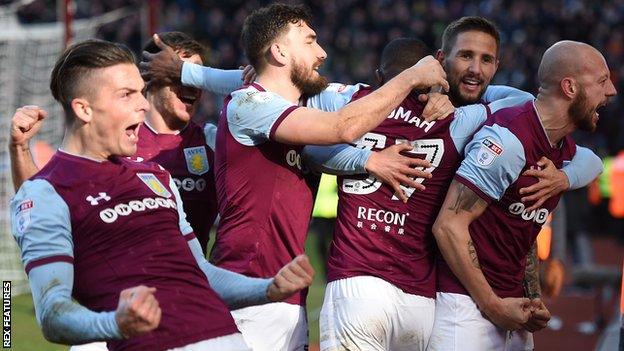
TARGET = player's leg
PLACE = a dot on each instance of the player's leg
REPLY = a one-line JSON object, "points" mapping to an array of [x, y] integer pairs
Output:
{"points": [[459, 325], [232, 342], [357, 314], [412, 321], [276, 326]]}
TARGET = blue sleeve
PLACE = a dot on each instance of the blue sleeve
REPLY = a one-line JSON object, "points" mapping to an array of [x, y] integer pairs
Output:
{"points": [[468, 119], [253, 116], [493, 161], [214, 80], [41, 224], [499, 92], [584, 167], [235, 289], [340, 159], [210, 133], [61, 319], [334, 97]]}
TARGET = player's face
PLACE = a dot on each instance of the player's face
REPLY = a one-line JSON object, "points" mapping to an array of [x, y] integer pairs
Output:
{"points": [[470, 66], [595, 88], [177, 102], [118, 110], [306, 57]]}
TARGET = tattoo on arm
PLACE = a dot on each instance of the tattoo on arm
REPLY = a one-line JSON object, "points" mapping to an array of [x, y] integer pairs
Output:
{"points": [[465, 199], [473, 255], [531, 282]]}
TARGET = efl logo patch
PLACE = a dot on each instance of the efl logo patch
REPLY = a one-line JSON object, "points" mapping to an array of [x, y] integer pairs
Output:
{"points": [[196, 160], [488, 152], [22, 216], [153, 183]]}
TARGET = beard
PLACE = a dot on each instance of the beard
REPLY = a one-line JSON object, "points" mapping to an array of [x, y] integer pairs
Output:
{"points": [[581, 114], [455, 94], [302, 79]]}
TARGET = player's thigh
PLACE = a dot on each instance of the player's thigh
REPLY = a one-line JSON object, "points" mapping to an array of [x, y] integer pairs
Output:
{"points": [[357, 314], [412, 322], [459, 325], [94, 346], [273, 327]]}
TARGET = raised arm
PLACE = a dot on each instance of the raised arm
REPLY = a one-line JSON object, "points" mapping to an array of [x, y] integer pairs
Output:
{"points": [[166, 66], [25, 123], [310, 126]]}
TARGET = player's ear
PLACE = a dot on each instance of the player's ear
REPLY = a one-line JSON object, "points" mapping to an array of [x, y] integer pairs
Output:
{"points": [[569, 87], [82, 109], [379, 76], [439, 55], [278, 53]]}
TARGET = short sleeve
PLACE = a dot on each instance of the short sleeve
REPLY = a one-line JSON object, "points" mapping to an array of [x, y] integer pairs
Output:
{"points": [[335, 96], [41, 225], [468, 119], [493, 161], [253, 115], [210, 133]]}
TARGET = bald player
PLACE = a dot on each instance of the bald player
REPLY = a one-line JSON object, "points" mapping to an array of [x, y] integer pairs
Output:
{"points": [[484, 231]]}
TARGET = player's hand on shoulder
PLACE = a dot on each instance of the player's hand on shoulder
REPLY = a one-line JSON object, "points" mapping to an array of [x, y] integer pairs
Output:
{"points": [[539, 316], [138, 311], [428, 73], [391, 167], [510, 313], [163, 67], [249, 74], [296, 275], [25, 124], [551, 181], [438, 106]]}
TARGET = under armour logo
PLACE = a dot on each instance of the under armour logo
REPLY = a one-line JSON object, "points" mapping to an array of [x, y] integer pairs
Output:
{"points": [[96, 200]]}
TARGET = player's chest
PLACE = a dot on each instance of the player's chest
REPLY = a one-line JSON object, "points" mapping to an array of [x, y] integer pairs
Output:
{"points": [[124, 199]]}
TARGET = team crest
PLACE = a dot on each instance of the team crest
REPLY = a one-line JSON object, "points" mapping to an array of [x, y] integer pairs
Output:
{"points": [[153, 183], [488, 152], [196, 160], [22, 216]]}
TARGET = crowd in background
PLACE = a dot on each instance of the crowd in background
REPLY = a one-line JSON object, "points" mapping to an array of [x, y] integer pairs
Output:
{"points": [[354, 32]]}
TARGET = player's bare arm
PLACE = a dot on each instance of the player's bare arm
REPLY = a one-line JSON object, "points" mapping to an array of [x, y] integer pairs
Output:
{"points": [[311, 126], [438, 106], [531, 275], [460, 208], [25, 123], [539, 313]]}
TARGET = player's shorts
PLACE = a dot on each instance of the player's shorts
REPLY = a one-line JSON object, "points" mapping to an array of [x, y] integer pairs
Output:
{"points": [[277, 326], [460, 326], [94, 346], [368, 313], [232, 342]]}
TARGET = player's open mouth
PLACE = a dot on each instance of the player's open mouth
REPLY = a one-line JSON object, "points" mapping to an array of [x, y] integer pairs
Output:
{"points": [[133, 132], [471, 83]]}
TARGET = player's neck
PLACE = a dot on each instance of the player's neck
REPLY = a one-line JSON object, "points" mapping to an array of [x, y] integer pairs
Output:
{"points": [[279, 82], [553, 114], [77, 141]]}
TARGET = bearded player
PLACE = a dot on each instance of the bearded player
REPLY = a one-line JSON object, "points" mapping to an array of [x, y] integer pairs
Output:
{"points": [[484, 231]]}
